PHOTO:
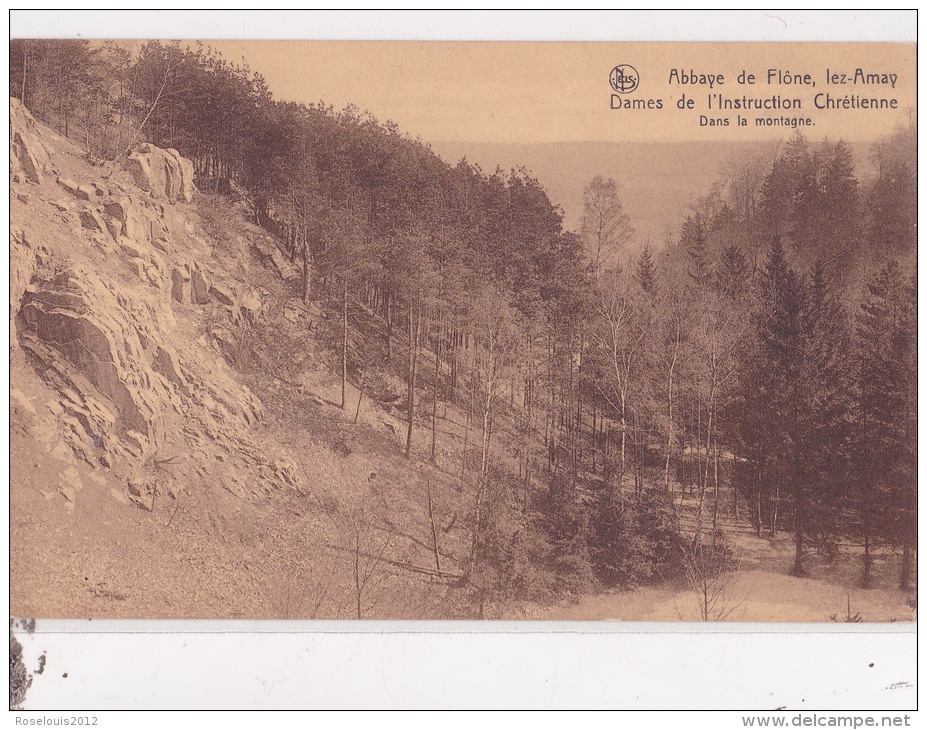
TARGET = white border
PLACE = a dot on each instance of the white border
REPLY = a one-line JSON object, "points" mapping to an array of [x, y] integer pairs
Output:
{"points": [[513, 25]]}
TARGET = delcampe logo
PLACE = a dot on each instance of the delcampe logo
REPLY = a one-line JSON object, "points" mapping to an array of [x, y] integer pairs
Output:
{"points": [[624, 78]]}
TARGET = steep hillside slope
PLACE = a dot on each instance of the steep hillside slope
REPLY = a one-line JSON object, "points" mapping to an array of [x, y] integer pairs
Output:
{"points": [[178, 449], [148, 478]]}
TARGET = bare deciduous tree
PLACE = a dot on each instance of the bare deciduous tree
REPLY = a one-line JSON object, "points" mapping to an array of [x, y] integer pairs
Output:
{"points": [[606, 228]]}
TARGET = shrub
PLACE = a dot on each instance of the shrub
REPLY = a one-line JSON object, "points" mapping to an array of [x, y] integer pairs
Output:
{"points": [[635, 539], [709, 560]]}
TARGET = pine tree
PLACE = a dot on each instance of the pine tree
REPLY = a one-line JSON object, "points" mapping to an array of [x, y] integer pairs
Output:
{"points": [[646, 272], [885, 440], [892, 226], [695, 242], [828, 408], [732, 273], [838, 225], [774, 399]]}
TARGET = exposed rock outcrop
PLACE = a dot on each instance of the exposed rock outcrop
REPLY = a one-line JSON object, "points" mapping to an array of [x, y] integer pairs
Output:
{"points": [[81, 192], [222, 294], [186, 175], [180, 283], [102, 276], [22, 269], [28, 155], [93, 221], [81, 325], [268, 253], [163, 173], [199, 286]]}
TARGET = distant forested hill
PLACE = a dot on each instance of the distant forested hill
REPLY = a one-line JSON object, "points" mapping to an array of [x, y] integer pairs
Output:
{"points": [[659, 181]]}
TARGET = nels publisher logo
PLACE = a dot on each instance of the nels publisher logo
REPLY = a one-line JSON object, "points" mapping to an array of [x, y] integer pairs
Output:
{"points": [[624, 78]]}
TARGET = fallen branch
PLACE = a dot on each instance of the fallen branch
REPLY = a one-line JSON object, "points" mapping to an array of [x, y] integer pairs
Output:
{"points": [[444, 575], [425, 571]]}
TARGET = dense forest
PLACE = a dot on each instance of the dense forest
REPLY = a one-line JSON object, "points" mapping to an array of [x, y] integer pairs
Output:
{"points": [[763, 363]]}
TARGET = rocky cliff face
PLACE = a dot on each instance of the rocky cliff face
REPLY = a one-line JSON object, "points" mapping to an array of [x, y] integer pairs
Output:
{"points": [[163, 173], [147, 479], [118, 318]]}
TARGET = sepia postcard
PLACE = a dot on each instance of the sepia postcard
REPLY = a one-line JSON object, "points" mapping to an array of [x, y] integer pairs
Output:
{"points": [[455, 331]]}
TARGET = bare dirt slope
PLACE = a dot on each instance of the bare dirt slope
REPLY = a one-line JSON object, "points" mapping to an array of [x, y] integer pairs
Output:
{"points": [[175, 450]]}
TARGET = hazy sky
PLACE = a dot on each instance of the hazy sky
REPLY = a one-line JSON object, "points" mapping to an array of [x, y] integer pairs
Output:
{"points": [[559, 92], [536, 92]]}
